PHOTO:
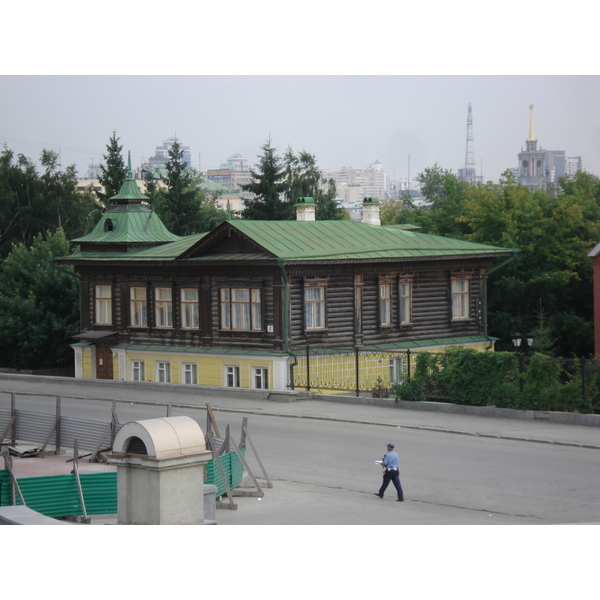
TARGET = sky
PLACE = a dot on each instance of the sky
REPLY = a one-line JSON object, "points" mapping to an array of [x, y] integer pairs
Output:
{"points": [[389, 84], [406, 122]]}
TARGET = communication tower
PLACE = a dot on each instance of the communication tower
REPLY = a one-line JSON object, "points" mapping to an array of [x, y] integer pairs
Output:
{"points": [[469, 173]]}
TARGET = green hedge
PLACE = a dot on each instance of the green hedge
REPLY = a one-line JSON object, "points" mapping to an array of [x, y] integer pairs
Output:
{"points": [[466, 376]]}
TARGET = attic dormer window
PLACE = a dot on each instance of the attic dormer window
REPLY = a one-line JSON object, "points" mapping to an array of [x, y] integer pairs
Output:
{"points": [[108, 225]]}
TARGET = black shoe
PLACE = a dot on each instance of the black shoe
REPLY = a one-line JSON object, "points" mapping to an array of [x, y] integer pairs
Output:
{"points": [[378, 495], [400, 499]]}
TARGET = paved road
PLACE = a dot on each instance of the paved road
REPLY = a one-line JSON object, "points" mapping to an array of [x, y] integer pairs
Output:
{"points": [[456, 469]]}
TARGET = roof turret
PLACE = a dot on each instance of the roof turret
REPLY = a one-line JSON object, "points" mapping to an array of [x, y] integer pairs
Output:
{"points": [[129, 192]]}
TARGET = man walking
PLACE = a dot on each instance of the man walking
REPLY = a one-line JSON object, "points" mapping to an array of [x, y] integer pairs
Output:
{"points": [[391, 466]]}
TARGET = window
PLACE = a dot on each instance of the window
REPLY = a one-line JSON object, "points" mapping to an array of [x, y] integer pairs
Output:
{"points": [[163, 308], [460, 298], [385, 304], [241, 309], [137, 370], [138, 306], [396, 369], [163, 372], [103, 304], [314, 307], [405, 302], [261, 378], [232, 376], [190, 373], [189, 309]]}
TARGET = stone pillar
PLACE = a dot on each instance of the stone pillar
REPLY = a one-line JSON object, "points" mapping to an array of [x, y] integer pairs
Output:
{"points": [[160, 472]]}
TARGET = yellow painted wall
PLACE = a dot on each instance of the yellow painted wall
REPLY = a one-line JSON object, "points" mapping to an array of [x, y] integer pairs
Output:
{"points": [[210, 370]]}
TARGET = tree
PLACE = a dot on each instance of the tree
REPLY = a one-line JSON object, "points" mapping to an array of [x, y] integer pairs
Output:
{"points": [[115, 171], [303, 178], [39, 304], [182, 204], [31, 204], [268, 186]]}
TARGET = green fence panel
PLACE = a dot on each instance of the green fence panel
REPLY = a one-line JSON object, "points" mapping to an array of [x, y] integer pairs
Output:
{"points": [[57, 496], [234, 472], [100, 492]]}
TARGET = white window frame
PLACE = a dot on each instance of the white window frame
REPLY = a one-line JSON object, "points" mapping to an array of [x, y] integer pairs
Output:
{"points": [[405, 295], [138, 306], [385, 303], [231, 375], [103, 304], [163, 371], [461, 298], [315, 306], [190, 311], [397, 369], [190, 373], [260, 378], [163, 307], [241, 308], [138, 370]]}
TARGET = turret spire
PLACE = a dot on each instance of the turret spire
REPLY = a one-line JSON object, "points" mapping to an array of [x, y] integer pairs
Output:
{"points": [[531, 133]]}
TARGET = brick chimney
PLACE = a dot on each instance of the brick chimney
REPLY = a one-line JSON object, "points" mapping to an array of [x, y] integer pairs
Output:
{"points": [[370, 213], [305, 209]]}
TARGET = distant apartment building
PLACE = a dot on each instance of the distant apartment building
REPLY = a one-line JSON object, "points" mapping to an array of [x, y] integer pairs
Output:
{"points": [[353, 185], [573, 164], [161, 156], [233, 174]]}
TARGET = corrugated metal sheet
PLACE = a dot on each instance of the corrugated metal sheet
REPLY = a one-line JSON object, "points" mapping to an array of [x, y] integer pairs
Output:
{"points": [[57, 496], [89, 434], [35, 427], [234, 472]]}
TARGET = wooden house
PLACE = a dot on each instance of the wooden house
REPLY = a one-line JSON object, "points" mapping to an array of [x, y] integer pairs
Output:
{"points": [[238, 306]]}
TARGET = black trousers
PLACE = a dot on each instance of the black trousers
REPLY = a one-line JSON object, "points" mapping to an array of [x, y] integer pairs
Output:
{"points": [[394, 477]]}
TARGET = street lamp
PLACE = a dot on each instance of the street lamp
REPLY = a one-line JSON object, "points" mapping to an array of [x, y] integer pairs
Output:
{"points": [[517, 340]]}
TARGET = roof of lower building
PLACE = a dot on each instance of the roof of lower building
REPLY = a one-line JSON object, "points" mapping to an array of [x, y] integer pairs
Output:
{"points": [[292, 241]]}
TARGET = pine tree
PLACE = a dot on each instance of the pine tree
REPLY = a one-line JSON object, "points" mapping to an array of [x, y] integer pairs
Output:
{"points": [[115, 171], [267, 186], [182, 205]]}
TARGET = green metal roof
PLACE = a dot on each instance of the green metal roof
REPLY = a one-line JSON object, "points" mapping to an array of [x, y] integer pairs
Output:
{"points": [[129, 223], [351, 240], [293, 241]]}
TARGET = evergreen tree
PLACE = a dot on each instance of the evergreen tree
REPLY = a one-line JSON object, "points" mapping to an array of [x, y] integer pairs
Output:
{"points": [[39, 304], [115, 171], [182, 204], [268, 185]]}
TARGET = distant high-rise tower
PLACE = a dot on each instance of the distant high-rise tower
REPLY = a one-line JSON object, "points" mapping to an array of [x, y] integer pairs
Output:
{"points": [[539, 168], [469, 173]]}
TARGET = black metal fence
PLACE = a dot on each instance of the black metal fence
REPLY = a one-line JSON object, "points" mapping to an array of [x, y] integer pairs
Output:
{"points": [[351, 369], [377, 371]]}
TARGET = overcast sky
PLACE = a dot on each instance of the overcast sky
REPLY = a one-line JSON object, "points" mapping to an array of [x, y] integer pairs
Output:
{"points": [[247, 78], [402, 121]]}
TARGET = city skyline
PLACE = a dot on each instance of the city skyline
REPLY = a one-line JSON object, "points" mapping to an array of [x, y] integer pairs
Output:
{"points": [[406, 122]]}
